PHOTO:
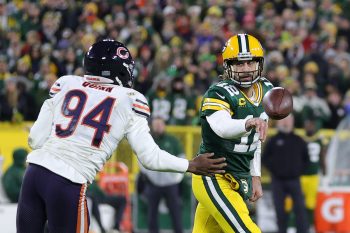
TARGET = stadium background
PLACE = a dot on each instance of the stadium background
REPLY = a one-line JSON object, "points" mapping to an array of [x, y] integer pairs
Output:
{"points": [[306, 49]]}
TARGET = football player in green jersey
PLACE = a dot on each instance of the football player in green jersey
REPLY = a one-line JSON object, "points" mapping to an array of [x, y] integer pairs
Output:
{"points": [[310, 178], [233, 125]]}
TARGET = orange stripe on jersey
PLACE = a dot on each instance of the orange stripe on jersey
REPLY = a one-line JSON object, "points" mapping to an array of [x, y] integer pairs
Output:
{"points": [[55, 89], [142, 107], [82, 212], [86, 222]]}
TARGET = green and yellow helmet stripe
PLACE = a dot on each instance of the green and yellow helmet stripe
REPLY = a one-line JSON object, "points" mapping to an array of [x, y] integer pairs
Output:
{"points": [[242, 44]]}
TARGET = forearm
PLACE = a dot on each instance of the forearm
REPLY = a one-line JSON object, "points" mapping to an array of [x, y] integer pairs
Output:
{"points": [[226, 127], [255, 163], [149, 153], [154, 158]]}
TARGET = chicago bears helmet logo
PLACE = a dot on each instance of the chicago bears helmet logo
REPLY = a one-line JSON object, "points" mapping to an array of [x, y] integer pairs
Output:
{"points": [[123, 53]]}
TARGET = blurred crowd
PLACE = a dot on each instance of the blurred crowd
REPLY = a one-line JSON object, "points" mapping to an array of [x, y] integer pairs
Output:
{"points": [[177, 49]]}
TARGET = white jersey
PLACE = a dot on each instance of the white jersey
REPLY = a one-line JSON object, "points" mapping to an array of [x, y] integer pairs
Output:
{"points": [[82, 124]]}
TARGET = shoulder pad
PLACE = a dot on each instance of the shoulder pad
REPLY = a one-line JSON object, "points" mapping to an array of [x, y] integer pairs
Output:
{"points": [[217, 93], [65, 80], [266, 83], [226, 88], [216, 99], [139, 103], [57, 86]]}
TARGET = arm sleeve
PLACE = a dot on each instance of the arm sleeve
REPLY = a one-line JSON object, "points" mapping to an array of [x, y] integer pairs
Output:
{"points": [[41, 129], [255, 163], [148, 152], [226, 127]]}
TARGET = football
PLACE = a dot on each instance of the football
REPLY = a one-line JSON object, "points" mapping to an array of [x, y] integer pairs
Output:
{"points": [[278, 103]]}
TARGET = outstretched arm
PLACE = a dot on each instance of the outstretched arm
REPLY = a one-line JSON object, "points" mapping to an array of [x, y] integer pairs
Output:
{"points": [[226, 127], [153, 158]]}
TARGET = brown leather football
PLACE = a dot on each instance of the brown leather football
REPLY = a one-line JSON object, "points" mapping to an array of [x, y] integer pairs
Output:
{"points": [[278, 103]]}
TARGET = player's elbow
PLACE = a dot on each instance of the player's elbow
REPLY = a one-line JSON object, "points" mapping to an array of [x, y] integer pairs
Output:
{"points": [[33, 144]]}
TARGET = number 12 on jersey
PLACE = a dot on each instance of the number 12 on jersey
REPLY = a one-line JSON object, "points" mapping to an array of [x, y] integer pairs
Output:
{"points": [[249, 142]]}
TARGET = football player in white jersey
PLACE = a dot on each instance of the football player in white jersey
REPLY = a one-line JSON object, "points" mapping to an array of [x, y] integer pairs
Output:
{"points": [[75, 134]]}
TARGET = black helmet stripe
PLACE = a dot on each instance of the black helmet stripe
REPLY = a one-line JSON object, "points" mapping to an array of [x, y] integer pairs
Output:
{"points": [[239, 43], [243, 41], [247, 42]]}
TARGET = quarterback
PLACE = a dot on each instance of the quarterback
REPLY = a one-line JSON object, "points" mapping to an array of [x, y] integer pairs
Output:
{"points": [[75, 134], [233, 124]]}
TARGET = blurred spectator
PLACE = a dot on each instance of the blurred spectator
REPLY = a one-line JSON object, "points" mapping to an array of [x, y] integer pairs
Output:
{"points": [[13, 50], [163, 185], [159, 99], [49, 27], [13, 176], [23, 68], [41, 91], [92, 193], [3, 196], [35, 57], [29, 18], [163, 59], [16, 104], [343, 80], [144, 65], [286, 157], [313, 104], [4, 71], [317, 166], [182, 104], [98, 196], [70, 61], [206, 74], [334, 101], [3, 16]]}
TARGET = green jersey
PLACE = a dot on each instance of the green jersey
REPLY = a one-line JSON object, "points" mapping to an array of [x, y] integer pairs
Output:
{"points": [[160, 105], [314, 145], [240, 150], [182, 109]]}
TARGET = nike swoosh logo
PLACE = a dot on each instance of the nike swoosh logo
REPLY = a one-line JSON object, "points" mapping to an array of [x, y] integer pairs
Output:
{"points": [[221, 96]]}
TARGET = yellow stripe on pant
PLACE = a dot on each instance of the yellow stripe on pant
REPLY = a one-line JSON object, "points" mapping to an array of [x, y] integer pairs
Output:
{"points": [[220, 208]]}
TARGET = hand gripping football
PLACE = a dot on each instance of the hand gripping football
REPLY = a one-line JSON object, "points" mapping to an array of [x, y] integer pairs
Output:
{"points": [[278, 103]]}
